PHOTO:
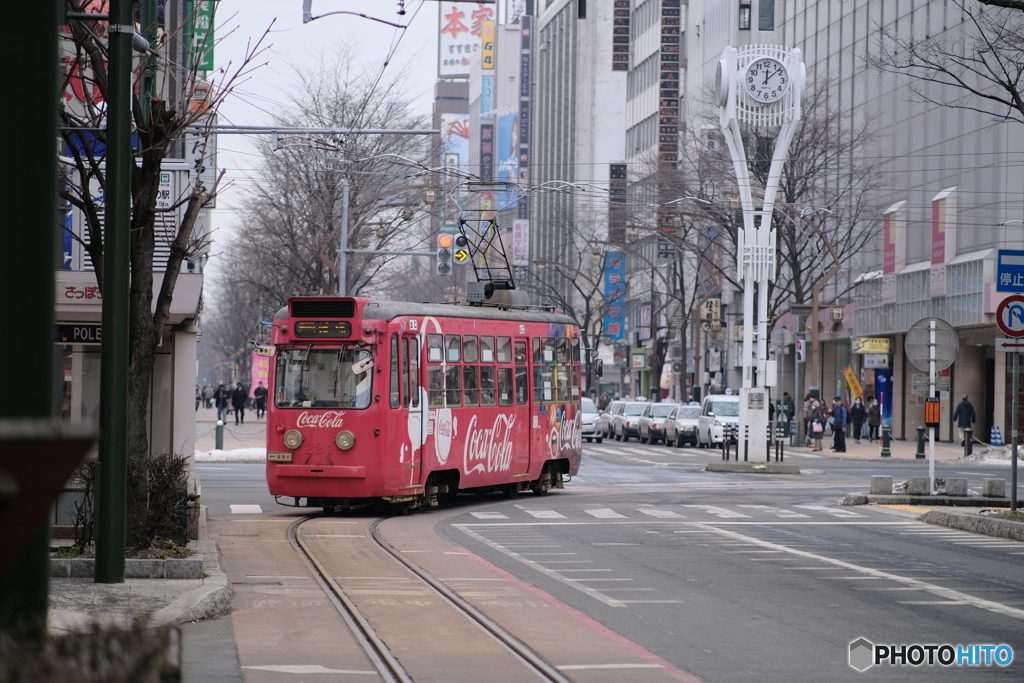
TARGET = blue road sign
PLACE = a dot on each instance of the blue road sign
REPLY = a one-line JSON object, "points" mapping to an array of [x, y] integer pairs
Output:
{"points": [[1010, 271]]}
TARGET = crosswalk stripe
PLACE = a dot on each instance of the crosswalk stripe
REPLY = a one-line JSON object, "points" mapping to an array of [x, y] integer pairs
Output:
{"points": [[717, 511], [545, 514], [488, 515], [835, 512], [605, 513], [661, 514], [246, 509], [776, 511]]}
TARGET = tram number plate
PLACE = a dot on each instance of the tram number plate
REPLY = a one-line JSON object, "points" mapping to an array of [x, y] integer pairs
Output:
{"points": [[323, 328]]}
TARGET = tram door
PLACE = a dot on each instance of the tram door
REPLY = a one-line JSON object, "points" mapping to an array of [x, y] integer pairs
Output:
{"points": [[413, 399], [523, 419]]}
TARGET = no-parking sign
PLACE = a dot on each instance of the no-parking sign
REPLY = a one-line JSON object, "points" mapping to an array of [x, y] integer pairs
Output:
{"points": [[1010, 316]]}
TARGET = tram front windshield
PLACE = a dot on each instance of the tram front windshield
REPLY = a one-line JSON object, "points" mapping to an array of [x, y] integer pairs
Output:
{"points": [[318, 377]]}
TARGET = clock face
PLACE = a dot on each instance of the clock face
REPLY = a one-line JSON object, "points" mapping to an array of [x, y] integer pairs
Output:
{"points": [[766, 80]]}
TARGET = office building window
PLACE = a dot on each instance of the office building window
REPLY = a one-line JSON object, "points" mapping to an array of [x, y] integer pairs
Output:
{"points": [[744, 15], [766, 15]]}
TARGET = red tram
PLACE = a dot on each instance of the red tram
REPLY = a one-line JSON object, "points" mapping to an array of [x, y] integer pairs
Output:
{"points": [[410, 403]]}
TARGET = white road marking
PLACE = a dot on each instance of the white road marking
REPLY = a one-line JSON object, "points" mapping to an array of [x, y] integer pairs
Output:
{"points": [[653, 602], [778, 512], [583, 667], [717, 511], [545, 514], [933, 602], [939, 591], [307, 669], [260, 576], [661, 514], [835, 512], [488, 515], [246, 509], [584, 570], [605, 513]]}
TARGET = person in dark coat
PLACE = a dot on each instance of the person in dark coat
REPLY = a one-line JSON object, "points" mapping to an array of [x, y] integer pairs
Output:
{"points": [[221, 398], [239, 397], [964, 416], [815, 424], [857, 415], [874, 419], [840, 416]]}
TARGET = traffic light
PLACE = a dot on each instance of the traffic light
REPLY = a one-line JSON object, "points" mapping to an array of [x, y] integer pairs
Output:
{"points": [[461, 249], [444, 254], [800, 353]]}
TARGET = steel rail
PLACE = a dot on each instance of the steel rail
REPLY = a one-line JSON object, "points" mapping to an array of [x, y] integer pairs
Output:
{"points": [[531, 659], [381, 658]]}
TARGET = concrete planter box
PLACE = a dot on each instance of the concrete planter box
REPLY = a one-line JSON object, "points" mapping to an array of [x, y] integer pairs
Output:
{"points": [[85, 568]]}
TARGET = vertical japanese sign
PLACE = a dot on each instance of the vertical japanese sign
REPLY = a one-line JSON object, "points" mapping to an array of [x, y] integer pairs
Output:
{"points": [[620, 36], [617, 203], [508, 156], [943, 238], [459, 38], [199, 38], [486, 151], [614, 294], [526, 26], [520, 242], [260, 372], [893, 251], [487, 46]]}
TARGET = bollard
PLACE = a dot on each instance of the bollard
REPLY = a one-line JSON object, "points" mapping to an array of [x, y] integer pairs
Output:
{"points": [[219, 438], [886, 438], [968, 441], [920, 443]]}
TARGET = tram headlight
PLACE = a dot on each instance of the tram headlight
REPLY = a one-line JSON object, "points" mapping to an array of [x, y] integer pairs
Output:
{"points": [[345, 440], [293, 438]]}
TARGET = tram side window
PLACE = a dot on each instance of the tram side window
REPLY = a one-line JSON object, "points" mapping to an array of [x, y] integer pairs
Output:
{"points": [[520, 353], [406, 393], [487, 385], [435, 348], [435, 384], [414, 371], [538, 354], [504, 349], [574, 345], [470, 384], [563, 349], [469, 354], [549, 350], [453, 343], [562, 383], [522, 388], [452, 385], [504, 386], [543, 385], [394, 388], [486, 349]]}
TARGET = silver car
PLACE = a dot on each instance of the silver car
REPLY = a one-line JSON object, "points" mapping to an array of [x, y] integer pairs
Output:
{"points": [[626, 423], [681, 428], [591, 421], [653, 421], [613, 409]]}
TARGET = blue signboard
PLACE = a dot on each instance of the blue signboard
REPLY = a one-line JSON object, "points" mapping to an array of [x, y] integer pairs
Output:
{"points": [[615, 294], [1010, 271]]}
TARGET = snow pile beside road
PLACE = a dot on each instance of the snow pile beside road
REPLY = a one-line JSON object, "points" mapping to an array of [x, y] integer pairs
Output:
{"points": [[999, 455], [237, 455]]}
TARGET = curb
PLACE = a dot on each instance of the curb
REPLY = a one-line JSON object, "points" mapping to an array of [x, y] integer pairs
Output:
{"points": [[1003, 528], [212, 599], [752, 468], [944, 501]]}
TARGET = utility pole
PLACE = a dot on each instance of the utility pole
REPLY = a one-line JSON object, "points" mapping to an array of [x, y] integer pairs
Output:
{"points": [[112, 479]]}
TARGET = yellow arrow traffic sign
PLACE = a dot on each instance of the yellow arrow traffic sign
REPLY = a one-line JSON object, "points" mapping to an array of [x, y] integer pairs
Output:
{"points": [[461, 255]]}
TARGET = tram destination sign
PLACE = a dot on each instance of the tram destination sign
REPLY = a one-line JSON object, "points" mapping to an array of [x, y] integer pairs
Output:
{"points": [[323, 328], [79, 333]]}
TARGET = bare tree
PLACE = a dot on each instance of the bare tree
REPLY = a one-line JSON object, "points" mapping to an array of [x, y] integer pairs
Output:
{"points": [[980, 60], [289, 239], [160, 124]]}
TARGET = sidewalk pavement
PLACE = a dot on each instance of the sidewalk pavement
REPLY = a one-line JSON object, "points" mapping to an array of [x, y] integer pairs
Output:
{"points": [[251, 434], [871, 450]]}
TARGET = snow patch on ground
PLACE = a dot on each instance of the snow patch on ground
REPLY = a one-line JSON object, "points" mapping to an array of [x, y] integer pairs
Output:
{"points": [[237, 455], [994, 455]]}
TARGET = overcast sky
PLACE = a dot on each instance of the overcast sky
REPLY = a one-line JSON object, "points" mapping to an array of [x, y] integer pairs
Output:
{"points": [[265, 93]]}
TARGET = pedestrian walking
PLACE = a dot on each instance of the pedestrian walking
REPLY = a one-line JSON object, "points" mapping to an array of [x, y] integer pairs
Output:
{"points": [[815, 424], [221, 398], [238, 399], [964, 416], [208, 396], [857, 416], [840, 418], [874, 419], [808, 406], [603, 403], [260, 394], [199, 397]]}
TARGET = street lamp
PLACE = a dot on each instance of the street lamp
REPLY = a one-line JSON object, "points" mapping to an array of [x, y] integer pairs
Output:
{"points": [[837, 312]]}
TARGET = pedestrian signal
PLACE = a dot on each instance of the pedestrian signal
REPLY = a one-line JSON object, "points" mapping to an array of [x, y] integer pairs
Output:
{"points": [[800, 353], [444, 254]]}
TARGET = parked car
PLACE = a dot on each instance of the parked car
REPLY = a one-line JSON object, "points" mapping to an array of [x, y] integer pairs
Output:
{"points": [[606, 418], [681, 428], [652, 422], [626, 423], [716, 411], [591, 421]]}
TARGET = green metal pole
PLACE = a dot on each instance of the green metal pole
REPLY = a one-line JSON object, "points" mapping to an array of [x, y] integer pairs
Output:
{"points": [[32, 183], [110, 515], [149, 26]]}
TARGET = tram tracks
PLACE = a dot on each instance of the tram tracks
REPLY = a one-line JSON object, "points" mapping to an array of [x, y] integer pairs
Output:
{"points": [[384, 661]]}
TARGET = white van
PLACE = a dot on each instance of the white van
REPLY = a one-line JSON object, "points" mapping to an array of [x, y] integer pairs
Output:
{"points": [[716, 410]]}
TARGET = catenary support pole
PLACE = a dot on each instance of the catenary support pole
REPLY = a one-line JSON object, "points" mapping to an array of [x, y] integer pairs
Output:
{"points": [[110, 514], [1013, 432], [931, 394], [343, 247], [31, 181]]}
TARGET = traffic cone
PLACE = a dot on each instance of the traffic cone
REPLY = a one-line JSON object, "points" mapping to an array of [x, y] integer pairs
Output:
{"points": [[996, 437]]}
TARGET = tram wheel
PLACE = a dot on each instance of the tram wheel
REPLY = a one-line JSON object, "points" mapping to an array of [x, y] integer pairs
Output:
{"points": [[510, 491]]}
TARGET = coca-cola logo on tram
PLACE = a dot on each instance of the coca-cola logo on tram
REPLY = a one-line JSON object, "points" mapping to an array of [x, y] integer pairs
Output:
{"points": [[331, 419]]}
